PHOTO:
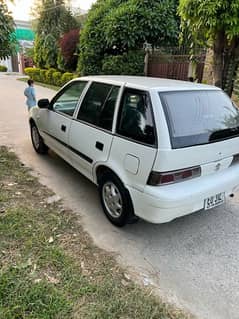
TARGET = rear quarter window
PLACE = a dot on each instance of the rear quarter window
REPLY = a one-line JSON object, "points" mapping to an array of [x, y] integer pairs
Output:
{"points": [[135, 119]]}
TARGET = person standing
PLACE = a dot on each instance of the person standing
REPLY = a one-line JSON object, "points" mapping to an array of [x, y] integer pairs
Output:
{"points": [[29, 92]]}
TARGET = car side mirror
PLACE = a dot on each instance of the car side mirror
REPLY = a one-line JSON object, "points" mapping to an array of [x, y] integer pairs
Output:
{"points": [[43, 103]]}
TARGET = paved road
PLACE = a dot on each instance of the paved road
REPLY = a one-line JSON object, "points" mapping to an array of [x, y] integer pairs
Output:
{"points": [[194, 259]]}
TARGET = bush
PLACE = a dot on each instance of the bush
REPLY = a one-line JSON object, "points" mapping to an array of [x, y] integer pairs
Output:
{"points": [[3, 68], [33, 73], [66, 77], [43, 75], [131, 63], [49, 75], [37, 76], [57, 78], [30, 72]]}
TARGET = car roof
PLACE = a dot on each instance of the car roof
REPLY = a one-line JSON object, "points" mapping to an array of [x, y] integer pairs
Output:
{"points": [[147, 83]]}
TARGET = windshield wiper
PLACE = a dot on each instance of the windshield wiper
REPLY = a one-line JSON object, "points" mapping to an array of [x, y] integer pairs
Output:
{"points": [[222, 134]]}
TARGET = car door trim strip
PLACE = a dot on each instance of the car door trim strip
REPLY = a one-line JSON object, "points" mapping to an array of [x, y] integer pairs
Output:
{"points": [[85, 157]]}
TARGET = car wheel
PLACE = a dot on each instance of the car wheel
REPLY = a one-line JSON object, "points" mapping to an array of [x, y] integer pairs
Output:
{"points": [[37, 141], [115, 200]]}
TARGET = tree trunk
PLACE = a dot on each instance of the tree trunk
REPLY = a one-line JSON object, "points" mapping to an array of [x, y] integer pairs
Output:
{"points": [[146, 63], [231, 63], [218, 48]]}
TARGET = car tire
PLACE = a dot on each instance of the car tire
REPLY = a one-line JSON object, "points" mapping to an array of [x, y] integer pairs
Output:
{"points": [[37, 141], [116, 201]]}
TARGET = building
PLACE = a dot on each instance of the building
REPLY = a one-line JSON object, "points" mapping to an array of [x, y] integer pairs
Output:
{"points": [[25, 37]]}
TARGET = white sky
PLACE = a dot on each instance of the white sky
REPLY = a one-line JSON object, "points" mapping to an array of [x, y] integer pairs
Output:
{"points": [[21, 8]]}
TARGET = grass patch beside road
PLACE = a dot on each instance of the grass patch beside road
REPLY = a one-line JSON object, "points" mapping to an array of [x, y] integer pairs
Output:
{"points": [[49, 267]]}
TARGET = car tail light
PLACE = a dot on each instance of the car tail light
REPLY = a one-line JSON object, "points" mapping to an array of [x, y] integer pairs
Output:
{"points": [[235, 159], [156, 178]]}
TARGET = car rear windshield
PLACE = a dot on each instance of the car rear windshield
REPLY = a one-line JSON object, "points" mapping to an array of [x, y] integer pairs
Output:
{"points": [[199, 117]]}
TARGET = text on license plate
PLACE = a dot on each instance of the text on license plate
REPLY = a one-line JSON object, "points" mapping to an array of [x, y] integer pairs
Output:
{"points": [[214, 201]]}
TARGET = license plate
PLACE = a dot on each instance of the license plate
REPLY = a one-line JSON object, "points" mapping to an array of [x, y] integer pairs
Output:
{"points": [[214, 201]]}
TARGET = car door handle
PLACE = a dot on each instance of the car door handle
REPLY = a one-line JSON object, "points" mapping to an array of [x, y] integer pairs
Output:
{"points": [[99, 145], [63, 128]]}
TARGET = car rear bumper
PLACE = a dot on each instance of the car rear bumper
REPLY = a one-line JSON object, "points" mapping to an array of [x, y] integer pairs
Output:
{"points": [[161, 204]]}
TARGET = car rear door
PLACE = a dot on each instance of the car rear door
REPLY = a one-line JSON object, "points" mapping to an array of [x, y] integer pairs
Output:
{"points": [[90, 135], [134, 146]]}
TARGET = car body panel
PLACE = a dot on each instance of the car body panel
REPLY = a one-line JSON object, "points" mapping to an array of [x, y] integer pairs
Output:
{"points": [[87, 147], [83, 141], [144, 156], [173, 159], [162, 204]]}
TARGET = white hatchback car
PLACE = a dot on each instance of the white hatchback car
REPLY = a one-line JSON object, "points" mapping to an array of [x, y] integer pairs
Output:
{"points": [[157, 149]]}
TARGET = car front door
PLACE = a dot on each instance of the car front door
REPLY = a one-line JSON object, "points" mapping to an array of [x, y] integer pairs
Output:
{"points": [[56, 121], [90, 135]]}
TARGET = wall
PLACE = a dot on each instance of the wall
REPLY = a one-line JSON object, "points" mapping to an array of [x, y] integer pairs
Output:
{"points": [[7, 63], [207, 73]]}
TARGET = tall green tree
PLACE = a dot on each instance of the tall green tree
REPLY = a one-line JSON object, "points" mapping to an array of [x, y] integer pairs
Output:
{"points": [[115, 27], [53, 21], [7, 39], [217, 22]]}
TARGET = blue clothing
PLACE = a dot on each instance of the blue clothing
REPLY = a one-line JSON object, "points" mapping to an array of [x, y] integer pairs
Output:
{"points": [[29, 92]]}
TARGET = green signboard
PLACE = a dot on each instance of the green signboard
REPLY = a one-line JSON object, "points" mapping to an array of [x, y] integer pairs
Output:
{"points": [[24, 34]]}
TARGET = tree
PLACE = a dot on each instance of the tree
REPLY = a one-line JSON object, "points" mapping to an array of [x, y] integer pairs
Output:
{"points": [[217, 22], [67, 56], [7, 39], [115, 27], [135, 22], [54, 20]]}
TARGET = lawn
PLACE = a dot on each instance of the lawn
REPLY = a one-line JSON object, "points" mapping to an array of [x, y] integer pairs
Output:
{"points": [[49, 266]]}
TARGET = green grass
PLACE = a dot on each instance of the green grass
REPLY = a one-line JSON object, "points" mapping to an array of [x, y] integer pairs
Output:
{"points": [[22, 298], [49, 267]]}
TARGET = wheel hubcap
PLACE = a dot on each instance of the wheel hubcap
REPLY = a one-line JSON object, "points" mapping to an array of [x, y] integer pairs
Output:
{"points": [[112, 199], [35, 137]]}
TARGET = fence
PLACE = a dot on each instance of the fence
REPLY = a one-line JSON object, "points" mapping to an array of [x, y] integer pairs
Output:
{"points": [[176, 64]]}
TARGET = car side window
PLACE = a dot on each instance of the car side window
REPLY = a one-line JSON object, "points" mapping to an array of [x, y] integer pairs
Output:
{"points": [[135, 118], [108, 109], [67, 101], [98, 105]]}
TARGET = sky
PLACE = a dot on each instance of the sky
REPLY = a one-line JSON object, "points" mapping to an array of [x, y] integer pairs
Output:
{"points": [[21, 8]]}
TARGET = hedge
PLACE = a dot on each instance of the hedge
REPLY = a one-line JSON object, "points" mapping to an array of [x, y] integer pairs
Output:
{"points": [[43, 75], [3, 68], [33, 73], [50, 76], [67, 77], [131, 63], [57, 78]]}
